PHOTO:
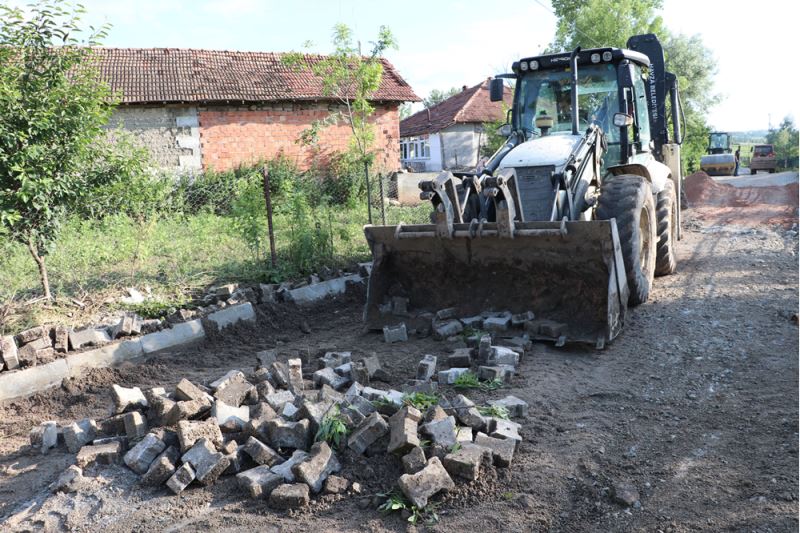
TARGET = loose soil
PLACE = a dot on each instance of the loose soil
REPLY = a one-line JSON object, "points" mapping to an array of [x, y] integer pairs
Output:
{"points": [[695, 404]]}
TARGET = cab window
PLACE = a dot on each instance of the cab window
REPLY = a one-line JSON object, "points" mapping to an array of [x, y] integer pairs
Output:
{"points": [[642, 111]]}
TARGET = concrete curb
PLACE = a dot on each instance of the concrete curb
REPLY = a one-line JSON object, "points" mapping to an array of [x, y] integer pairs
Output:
{"points": [[312, 293], [19, 383], [34, 379]]}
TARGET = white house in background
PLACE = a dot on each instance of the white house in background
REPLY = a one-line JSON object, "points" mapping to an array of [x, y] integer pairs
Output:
{"points": [[448, 136]]}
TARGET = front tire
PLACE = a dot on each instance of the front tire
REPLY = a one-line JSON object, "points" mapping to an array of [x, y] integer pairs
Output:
{"points": [[629, 199], [666, 217]]}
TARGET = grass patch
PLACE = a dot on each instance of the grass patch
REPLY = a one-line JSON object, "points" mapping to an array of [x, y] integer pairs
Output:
{"points": [[496, 411], [468, 380], [421, 400]]}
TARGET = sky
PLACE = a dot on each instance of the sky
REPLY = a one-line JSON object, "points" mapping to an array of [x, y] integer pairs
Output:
{"points": [[451, 43]]}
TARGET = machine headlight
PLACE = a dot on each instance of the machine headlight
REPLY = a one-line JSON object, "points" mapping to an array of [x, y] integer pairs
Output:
{"points": [[595, 58], [523, 65], [606, 56], [534, 65]]}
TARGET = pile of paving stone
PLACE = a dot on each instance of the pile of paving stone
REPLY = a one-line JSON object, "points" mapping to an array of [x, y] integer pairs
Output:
{"points": [[262, 428], [445, 324]]}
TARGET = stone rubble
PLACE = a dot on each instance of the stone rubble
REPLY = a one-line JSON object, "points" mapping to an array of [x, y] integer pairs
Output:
{"points": [[262, 428]]}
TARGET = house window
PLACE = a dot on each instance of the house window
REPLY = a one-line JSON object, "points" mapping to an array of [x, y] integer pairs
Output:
{"points": [[415, 148]]}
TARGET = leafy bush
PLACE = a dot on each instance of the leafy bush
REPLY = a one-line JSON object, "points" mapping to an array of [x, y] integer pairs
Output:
{"points": [[420, 400], [496, 411], [332, 429], [468, 380]]}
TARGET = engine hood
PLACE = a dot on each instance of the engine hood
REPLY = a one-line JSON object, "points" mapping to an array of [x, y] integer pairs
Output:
{"points": [[543, 151]]}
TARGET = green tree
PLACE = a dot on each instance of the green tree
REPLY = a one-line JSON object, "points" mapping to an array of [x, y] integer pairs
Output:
{"points": [[53, 107], [351, 79], [437, 97], [785, 141], [596, 23]]}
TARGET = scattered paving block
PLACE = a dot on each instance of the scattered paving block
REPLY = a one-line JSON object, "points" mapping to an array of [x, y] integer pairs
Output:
{"points": [[188, 410], [44, 436], [161, 411], [427, 482], [351, 416], [260, 375], [497, 323], [505, 429], [446, 329], [328, 376], [403, 430], [371, 429], [503, 373], [289, 411], [315, 469], [335, 485], [8, 352], [502, 449], [466, 462], [37, 352], [280, 373], [448, 377], [289, 496], [264, 389], [285, 434], [327, 393], [414, 460], [400, 306], [442, 432], [484, 349], [114, 425], [520, 319], [60, 339], [426, 368], [435, 412], [447, 313], [500, 355], [69, 481], [185, 390], [140, 457], [230, 418], [80, 433], [279, 398], [467, 413], [121, 439], [181, 479], [460, 358], [168, 436], [363, 406], [546, 328], [135, 425], [517, 408], [88, 337], [259, 482], [106, 454], [354, 390], [261, 453], [315, 412], [208, 465], [295, 375], [126, 399], [128, 325], [463, 434], [392, 334], [415, 385], [335, 359], [285, 468], [162, 468], [344, 370], [190, 431], [267, 357], [32, 334], [235, 390], [473, 322]]}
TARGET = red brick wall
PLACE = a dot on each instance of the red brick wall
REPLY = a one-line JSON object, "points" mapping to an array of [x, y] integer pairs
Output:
{"points": [[236, 135]]}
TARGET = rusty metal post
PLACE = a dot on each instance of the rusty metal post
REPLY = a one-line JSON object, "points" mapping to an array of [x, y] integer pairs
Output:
{"points": [[268, 200], [369, 192], [383, 207]]}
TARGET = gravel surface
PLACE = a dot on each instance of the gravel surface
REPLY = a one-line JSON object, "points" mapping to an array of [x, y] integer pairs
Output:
{"points": [[694, 408]]}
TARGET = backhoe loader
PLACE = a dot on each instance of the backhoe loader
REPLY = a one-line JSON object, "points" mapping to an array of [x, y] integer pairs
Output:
{"points": [[570, 219]]}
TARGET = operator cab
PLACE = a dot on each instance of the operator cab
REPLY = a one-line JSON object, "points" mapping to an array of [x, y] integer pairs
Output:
{"points": [[611, 82]]}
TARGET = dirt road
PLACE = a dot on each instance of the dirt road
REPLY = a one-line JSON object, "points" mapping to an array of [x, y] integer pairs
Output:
{"points": [[695, 405]]}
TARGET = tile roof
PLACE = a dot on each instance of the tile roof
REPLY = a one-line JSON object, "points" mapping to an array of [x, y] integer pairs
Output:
{"points": [[174, 75], [470, 105]]}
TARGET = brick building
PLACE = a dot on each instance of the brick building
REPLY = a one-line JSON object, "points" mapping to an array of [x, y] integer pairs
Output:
{"points": [[200, 109]]}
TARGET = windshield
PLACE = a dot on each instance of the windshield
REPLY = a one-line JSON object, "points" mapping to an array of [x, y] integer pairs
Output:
{"points": [[719, 140], [547, 92]]}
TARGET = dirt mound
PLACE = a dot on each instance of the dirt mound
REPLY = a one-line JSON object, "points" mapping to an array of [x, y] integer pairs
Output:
{"points": [[722, 203]]}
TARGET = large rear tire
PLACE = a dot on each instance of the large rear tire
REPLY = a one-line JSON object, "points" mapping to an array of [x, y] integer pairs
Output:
{"points": [[666, 218], [629, 199]]}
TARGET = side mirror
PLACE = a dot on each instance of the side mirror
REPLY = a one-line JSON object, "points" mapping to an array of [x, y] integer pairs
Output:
{"points": [[504, 130], [496, 90], [621, 120]]}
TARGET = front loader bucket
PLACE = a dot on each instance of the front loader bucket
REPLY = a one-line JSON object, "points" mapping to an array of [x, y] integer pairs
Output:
{"points": [[569, 272]]}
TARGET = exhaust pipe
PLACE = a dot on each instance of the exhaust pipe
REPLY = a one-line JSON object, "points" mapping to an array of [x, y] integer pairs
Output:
{"points": [[573, 61]]}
